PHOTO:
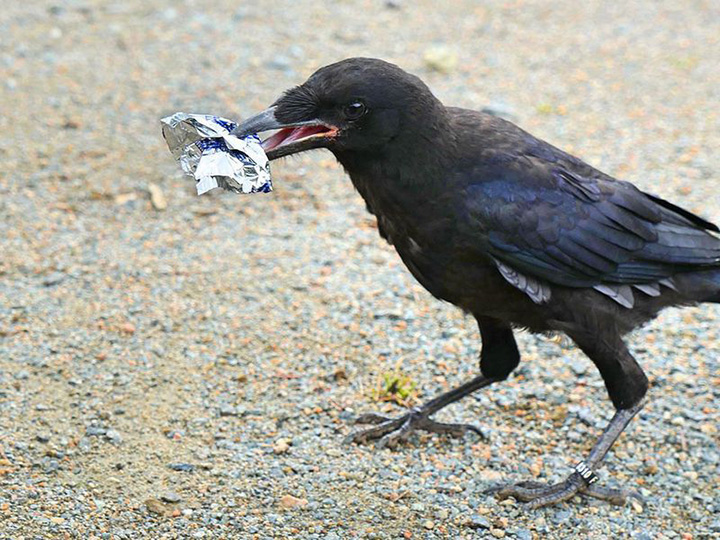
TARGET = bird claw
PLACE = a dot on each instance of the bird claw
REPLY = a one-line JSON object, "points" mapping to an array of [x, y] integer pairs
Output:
{"points": [[538, 494], [390, 431], [372, 418]]}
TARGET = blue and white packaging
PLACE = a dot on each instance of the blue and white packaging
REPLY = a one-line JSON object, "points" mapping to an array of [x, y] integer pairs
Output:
{"points": [[207, 151]]}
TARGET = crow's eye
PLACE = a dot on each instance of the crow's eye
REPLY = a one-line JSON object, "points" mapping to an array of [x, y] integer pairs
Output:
{"points": [[354, 110]]}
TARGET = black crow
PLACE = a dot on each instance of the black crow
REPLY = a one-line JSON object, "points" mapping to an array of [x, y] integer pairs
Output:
{"points": [[508, 228]]}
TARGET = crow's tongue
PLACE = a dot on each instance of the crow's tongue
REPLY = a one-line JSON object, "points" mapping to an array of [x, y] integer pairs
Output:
{"points": [[288, 135]]}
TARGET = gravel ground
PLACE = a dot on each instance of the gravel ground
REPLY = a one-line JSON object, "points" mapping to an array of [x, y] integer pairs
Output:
{"points": [[190, 372]]}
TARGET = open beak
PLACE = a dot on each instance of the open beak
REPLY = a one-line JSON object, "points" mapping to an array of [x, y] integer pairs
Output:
{"points": [[291, 138]]}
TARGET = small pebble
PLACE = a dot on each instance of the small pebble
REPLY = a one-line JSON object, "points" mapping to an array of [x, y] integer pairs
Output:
{"points": [[170, 497], [479, 522], [157, 197], [181, 467], [440, 58], [113, 436], [228, 410], [281, 446], [53, 279], [290, 501]]}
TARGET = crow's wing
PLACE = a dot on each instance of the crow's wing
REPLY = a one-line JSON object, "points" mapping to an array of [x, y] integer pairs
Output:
{"points": [[547, 223]]}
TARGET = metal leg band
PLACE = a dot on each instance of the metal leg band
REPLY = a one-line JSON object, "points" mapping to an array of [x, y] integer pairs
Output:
{"points": [[586, 473]]}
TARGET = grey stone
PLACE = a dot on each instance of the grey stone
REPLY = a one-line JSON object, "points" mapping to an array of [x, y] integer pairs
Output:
{"points": [[113, 436], [181, 467], [479, 522], [170, 497]]}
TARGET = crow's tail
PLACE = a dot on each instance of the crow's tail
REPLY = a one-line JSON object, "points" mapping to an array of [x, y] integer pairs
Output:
{"points": [[715, 297], [701, 286]]}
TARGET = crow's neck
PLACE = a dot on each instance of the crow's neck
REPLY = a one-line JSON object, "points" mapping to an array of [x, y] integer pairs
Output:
{"points": [[417, 160]]}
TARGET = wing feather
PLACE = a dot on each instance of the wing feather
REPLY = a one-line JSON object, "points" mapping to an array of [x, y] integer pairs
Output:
{"points": [[545, 224]]}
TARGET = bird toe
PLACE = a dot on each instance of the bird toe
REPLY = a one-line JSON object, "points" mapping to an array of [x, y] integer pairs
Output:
{"points": [[538, 494], [389, 432]]}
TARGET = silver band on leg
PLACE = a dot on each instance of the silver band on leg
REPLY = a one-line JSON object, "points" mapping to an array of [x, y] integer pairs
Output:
{"points": [[586, 473]]}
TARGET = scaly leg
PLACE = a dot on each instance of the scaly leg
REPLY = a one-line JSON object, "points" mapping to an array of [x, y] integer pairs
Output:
{"points": [[583, 479], [627, 385], [498, 358], [390, 431]]}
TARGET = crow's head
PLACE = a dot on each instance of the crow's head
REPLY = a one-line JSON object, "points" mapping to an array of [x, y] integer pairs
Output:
{"points": [[356, 105]]}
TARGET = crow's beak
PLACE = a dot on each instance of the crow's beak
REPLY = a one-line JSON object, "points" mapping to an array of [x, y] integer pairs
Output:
{"points": [[292, 138], [264, 121]]}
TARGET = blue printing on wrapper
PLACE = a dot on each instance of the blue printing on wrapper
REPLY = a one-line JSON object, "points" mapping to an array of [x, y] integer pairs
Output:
{"points": [[227, 124], [230, 126], [219, 145]]}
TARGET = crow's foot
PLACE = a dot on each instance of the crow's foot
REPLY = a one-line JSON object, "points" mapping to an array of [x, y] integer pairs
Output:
{"points": [[390, 431], [537, 494]]}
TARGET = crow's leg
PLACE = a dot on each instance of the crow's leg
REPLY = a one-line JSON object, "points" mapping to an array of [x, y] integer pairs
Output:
{"points": [[583, 479], [390, 431], [498, 358], [627, 386]]}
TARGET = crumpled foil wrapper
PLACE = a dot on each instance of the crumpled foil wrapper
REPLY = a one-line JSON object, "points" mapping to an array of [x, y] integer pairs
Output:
{"points": [[207, 151]]}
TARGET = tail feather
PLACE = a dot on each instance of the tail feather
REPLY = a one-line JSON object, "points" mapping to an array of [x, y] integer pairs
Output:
{"points": [[715, 296], [700, 286]]}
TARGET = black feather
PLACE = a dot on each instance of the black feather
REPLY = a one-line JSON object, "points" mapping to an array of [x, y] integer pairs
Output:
{"points": [[689, 216]]}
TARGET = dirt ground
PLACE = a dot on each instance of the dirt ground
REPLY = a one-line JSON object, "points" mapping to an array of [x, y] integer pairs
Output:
{"points": [[190, 369]]}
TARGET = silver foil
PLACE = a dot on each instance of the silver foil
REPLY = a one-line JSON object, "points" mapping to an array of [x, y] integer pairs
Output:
{"points": [[209, 153]]}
